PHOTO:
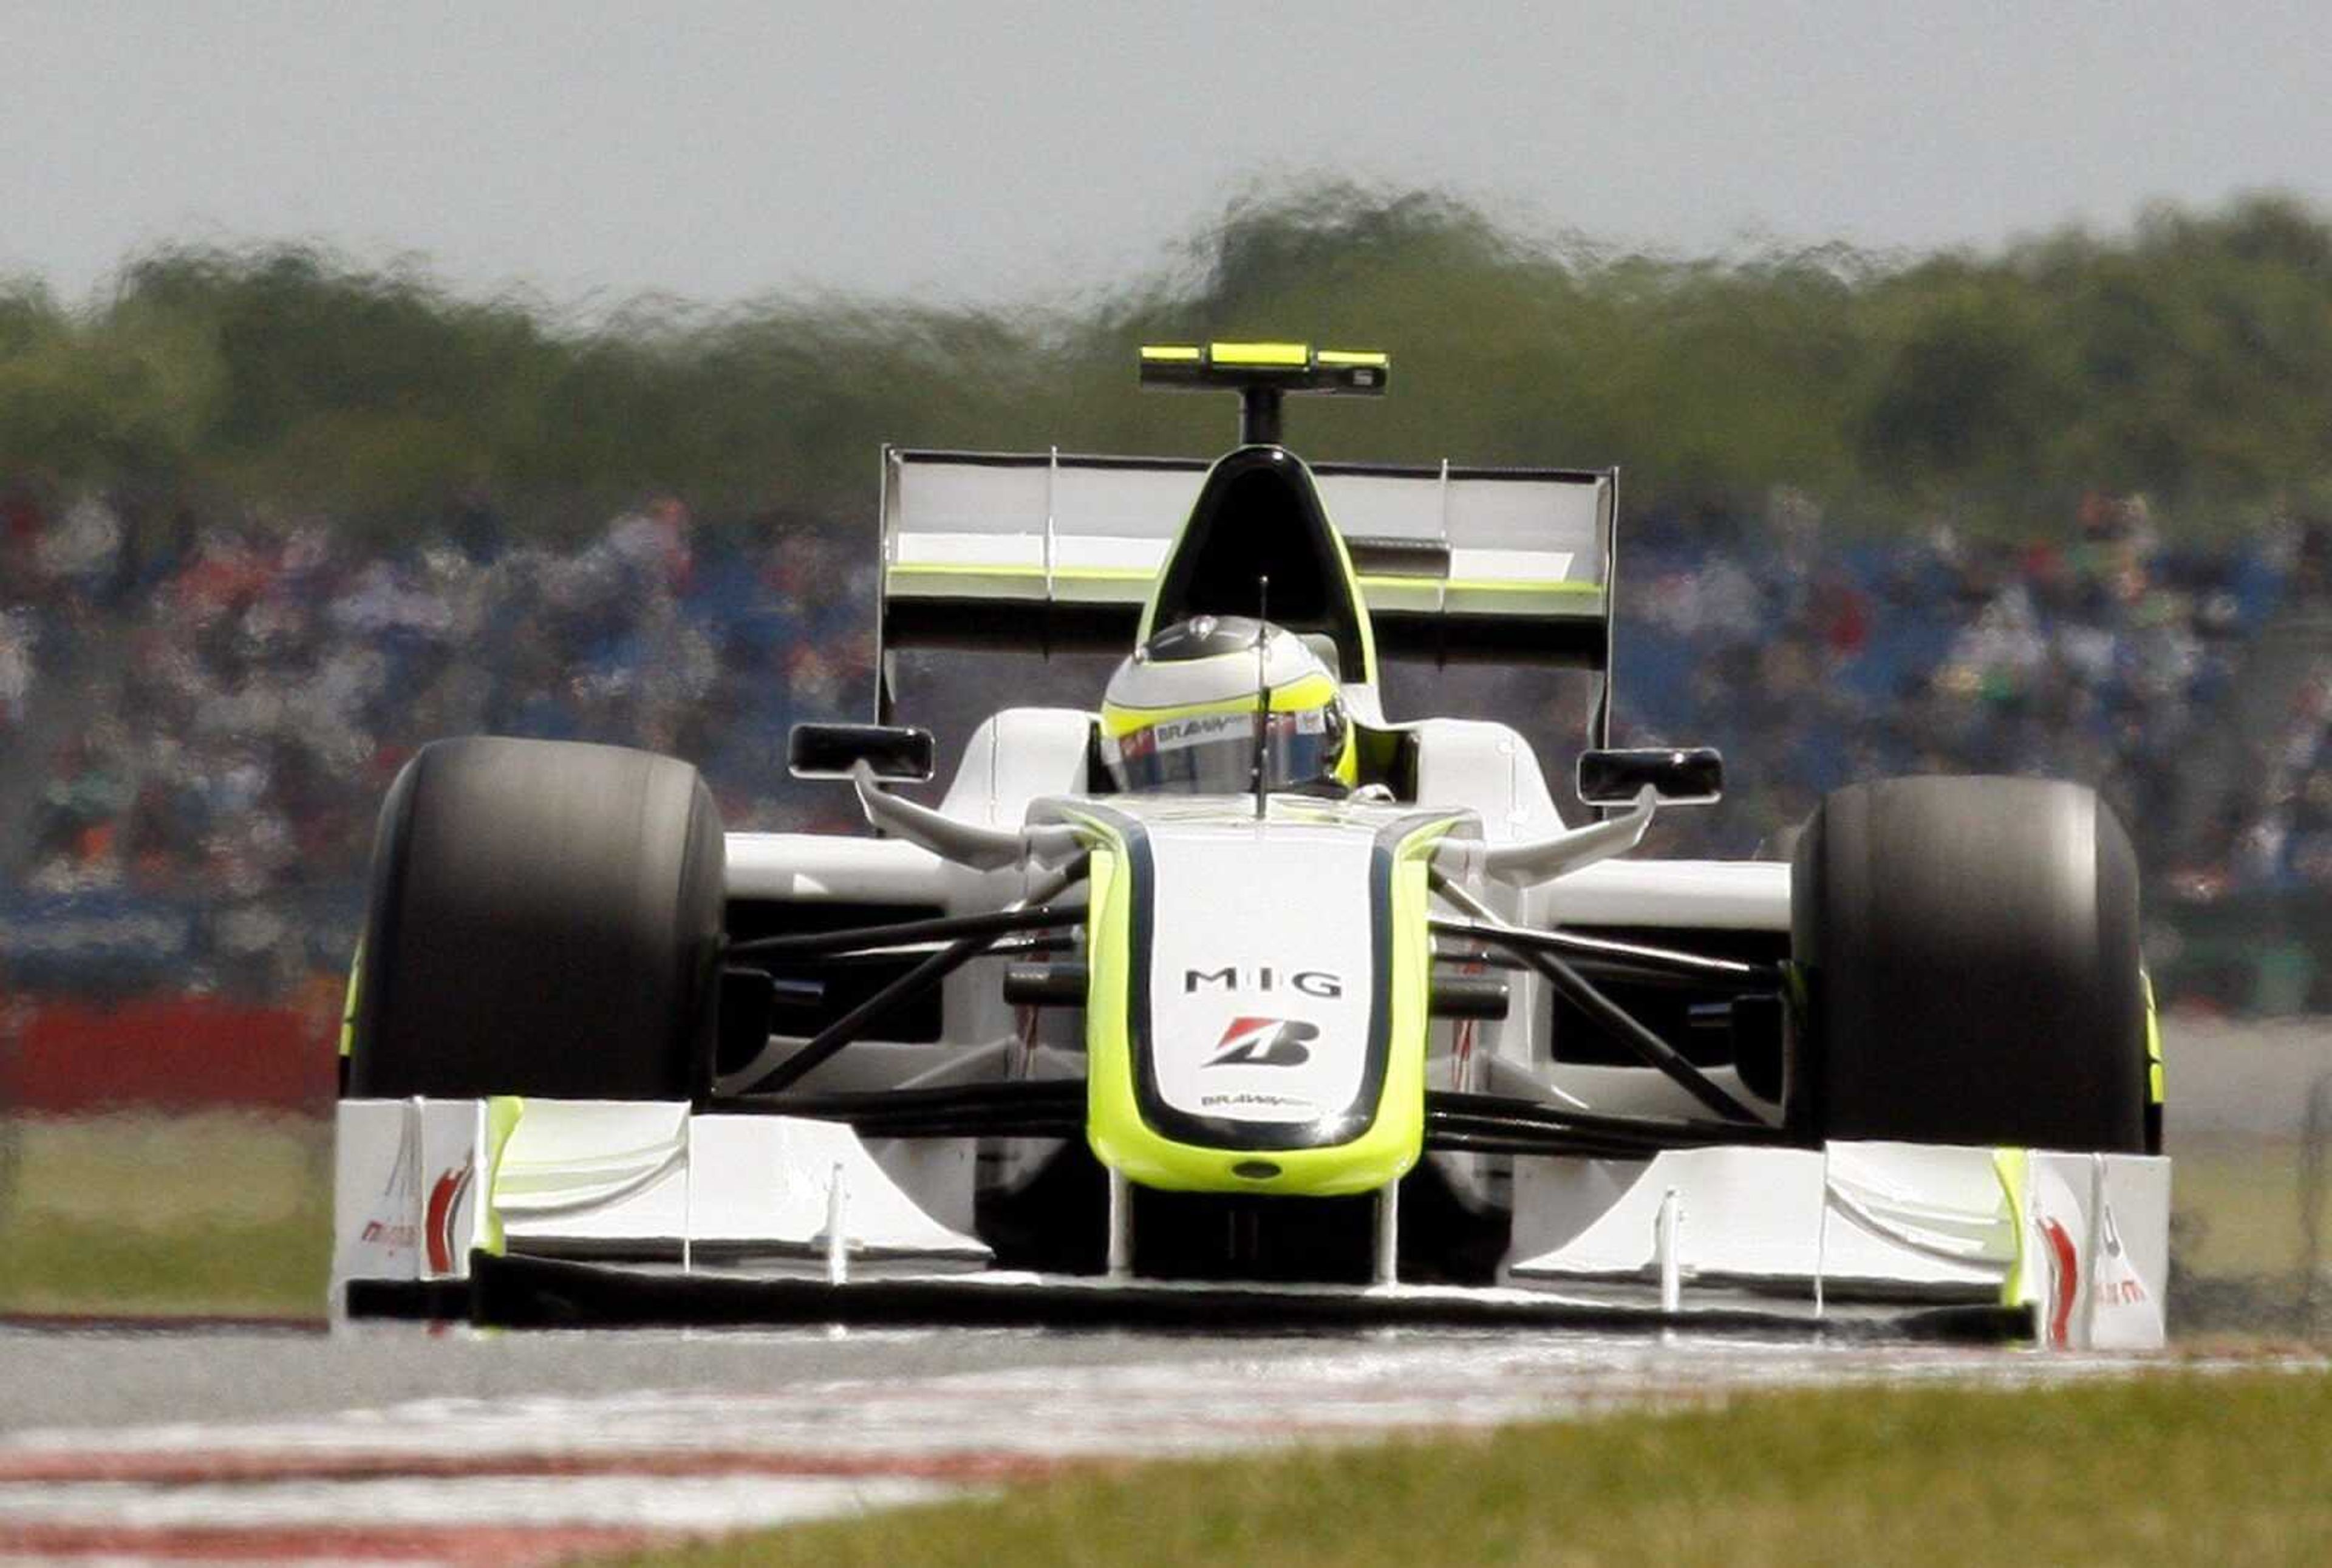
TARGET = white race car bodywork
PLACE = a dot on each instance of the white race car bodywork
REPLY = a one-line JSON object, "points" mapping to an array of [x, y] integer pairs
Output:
{"points": [[1792, 1236]]}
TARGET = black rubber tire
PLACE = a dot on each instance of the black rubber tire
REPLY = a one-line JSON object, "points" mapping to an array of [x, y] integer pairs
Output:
{"points": [[545, 919], [1970, 953]]}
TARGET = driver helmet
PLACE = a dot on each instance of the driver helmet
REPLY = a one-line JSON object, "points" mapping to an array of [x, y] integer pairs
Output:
{"points": [[1180, 715]]}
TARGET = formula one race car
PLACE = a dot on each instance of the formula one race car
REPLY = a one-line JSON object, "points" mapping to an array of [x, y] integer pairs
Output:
{"points": [[1237, 1000]]}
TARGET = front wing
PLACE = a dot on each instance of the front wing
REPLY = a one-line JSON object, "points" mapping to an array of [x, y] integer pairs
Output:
{"points": [[542, 1211]]}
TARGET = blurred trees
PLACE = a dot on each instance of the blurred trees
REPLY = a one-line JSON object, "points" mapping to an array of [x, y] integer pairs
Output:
{"points": [[2190, 358]]}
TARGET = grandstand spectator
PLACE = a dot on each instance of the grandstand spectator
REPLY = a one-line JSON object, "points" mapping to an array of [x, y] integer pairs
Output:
{"points": [[19, 638]]}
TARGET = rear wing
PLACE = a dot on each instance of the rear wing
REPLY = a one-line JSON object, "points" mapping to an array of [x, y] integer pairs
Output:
{"points": [[1041, 551]]}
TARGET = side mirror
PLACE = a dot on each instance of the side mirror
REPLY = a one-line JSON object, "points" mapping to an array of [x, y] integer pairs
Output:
{"points": [[897, 754], [1680, 776]]}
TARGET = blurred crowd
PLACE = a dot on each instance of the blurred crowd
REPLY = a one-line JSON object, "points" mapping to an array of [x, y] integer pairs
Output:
{"points": [[196, 729], [205, 727], [2112, 659]]}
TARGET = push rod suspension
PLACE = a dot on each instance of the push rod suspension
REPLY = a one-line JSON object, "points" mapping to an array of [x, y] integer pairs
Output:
{"points": [[1655, 1051], [1035, 946], [1018, 1108], [847, 1104], [1547, 1141], [1620, 956], [772, 1069], [1626, 972], [1495, 1115], [822, 943]]}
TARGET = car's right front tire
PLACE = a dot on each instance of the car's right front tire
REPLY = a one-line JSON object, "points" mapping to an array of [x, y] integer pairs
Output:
{"points": [[545, 919]]}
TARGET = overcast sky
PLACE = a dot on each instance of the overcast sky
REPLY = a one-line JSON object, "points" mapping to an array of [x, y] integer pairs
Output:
{"points": [[1033, 153]]}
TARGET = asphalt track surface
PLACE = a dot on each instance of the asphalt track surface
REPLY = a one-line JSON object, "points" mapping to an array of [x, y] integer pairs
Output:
{"points": [[393, 1444], [127, 1378]]}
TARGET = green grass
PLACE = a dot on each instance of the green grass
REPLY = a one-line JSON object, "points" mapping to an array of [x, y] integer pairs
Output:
{"points": [[2181, 1469], [2237, 1206], [221, 1214], [268, 1271]]}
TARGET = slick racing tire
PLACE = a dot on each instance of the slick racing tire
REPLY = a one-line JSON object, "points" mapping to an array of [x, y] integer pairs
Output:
{"points": [[545, 919], [1969, 953]]}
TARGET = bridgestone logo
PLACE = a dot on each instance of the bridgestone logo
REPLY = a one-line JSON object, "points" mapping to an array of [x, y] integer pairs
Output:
{"points": [[1264, 1043]]}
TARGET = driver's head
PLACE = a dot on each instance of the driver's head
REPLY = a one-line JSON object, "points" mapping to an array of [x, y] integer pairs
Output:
{"points": [[1180, 715]]}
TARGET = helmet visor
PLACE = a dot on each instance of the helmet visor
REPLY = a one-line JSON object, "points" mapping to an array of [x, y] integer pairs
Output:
{"points": [[1214, 753]]}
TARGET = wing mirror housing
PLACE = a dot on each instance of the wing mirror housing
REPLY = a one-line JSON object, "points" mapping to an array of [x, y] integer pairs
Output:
{"points": [[1677, 776], [894, 754]]}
